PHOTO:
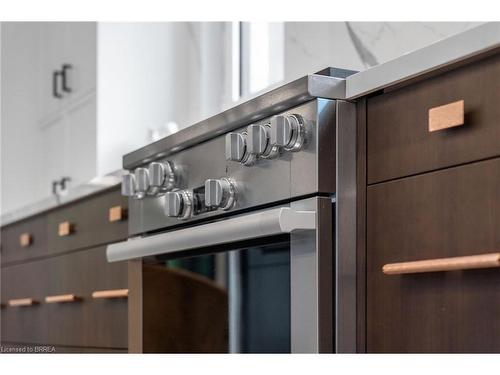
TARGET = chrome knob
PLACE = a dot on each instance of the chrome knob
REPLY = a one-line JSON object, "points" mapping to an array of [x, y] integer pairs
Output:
{"points": [[161, 178], [237, 150], [178, 204], [235, 146], [258, 142], [220, 193], [128, 185], [141, 182], [258, 139], [287, 132]]}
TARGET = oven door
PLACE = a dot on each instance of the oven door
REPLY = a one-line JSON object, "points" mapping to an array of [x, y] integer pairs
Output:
{"points": [[261, 282]]}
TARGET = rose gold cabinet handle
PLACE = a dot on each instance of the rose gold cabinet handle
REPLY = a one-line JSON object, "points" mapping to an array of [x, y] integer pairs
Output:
{"points": [[446, 116], [117, 213], [21, 302], [65, 229], [61, 298], [114, 293], [25, 239], [444, 264]]}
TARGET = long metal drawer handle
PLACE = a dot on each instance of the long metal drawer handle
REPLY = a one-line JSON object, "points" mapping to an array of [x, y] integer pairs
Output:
{"points": [[21, 302], [239, 228], [444, 264], [62, 298], [114, 293]]}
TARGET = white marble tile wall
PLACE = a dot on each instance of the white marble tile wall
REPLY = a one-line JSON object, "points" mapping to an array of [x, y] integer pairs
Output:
{"points": [[311, 46]]}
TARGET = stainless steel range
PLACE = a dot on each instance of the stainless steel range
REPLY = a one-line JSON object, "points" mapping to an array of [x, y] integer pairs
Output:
{"points": [[259, 200]]}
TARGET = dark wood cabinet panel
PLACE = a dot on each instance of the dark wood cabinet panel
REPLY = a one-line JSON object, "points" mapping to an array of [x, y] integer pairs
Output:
{"points": [[453, 212], [26, 323], [175, 311], [36, 231], [398, 139], [89, 221], [86, 322]]}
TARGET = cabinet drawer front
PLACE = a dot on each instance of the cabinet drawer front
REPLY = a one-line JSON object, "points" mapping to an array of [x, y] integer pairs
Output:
{"points": [[94, 221], [77, 321], [435, 216], [24, 240], [418, 128]]}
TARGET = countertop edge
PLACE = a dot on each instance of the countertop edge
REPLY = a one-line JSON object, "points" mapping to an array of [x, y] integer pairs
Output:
{"points": [[475, 41], [93, 186]]}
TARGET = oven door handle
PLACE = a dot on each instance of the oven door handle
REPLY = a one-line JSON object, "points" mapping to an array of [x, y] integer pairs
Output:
{"points": [[240, 228]]}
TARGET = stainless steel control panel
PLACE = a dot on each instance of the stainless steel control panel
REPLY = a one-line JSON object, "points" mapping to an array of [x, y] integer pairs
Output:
{"points": [[270, 160]]}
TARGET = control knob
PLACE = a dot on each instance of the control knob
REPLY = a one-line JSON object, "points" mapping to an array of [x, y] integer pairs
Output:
{"points": [[128, 185], [178, 204], [161, 178], [220, 193], [236, 149], [141, 182], [287, 132], [258, 141]]}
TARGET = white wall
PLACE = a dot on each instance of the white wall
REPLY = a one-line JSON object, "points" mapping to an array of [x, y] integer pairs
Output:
{"points": [[191, 81]]}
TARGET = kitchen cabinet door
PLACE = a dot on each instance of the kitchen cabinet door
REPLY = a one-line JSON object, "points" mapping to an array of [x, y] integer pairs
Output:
{"points": [[80, 51], [20, 140], [54, 153], [81, 142], [51, 43], [450, 213]]}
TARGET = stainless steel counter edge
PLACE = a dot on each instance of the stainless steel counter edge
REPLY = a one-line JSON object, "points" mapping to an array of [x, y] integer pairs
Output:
{"points": [[444, 52], [93, 186], [265, 105]]}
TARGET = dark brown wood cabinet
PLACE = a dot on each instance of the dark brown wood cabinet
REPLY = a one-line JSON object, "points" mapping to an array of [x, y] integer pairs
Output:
{"points": [[34, 230], [430, 195], [175, 311], [399, 142], [50, 289], [89, 223], [453, 212]]}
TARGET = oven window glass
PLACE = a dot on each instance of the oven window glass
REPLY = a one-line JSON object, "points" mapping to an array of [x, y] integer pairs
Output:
{"points": [[236, 301]]}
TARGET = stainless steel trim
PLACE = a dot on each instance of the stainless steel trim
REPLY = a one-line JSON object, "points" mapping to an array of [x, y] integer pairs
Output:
{"points": [[304, 286], [345, 229], [444, 52], [255, 225], [235, 303], [268, 104]]}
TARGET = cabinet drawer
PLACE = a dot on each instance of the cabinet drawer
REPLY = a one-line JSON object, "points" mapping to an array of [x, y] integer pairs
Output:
{"points": [[83, 322], [449, 213], [399, 142], [24, 240], [88, 222]]}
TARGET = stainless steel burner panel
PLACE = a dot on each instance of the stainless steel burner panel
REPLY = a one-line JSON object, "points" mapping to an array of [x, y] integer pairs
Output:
{"points": [[274, 159]]}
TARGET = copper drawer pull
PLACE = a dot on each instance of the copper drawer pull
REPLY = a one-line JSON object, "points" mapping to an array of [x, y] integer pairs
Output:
{"points": [[444, 264], [62, 298], [117, 213], [446, 116], [21, 302], [25, 239], [114, 293], [65, 229]]}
